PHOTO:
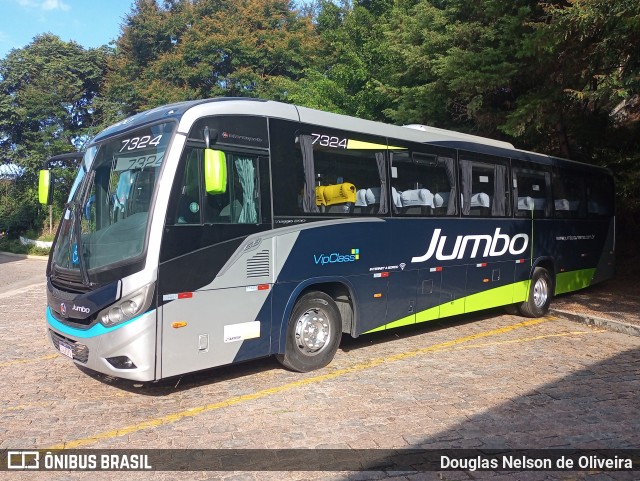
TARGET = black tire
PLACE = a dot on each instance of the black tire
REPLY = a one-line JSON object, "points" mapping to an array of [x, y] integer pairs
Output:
{"points": [[313, 333], [512, 309], [540, 294]]}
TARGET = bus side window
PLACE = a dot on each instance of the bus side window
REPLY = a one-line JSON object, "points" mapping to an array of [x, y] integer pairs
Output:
{"points": [[188, 207], [599, 197], [422, 184], [568, 195], [340, 181], [531, 192], [483, 188], [240, 203]]}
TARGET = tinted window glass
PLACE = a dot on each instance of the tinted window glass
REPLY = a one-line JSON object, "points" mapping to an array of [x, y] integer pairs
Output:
{"points": [[288, 171], [532, 192], [323, 172], [241, 203], [568, 194], [599, 196], [347, 181], [484, 186], [421, 184], [188, 209]]}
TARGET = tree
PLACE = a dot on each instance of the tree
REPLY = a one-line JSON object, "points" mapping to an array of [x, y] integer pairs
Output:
{"points": [[458, 64], [148, 32], [345, 76], [47, 90], [586, 62], [188, 50]]}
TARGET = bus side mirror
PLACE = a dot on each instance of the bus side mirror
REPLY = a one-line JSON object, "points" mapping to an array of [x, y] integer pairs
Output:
{"points": [[45, 187], [215, 171]]}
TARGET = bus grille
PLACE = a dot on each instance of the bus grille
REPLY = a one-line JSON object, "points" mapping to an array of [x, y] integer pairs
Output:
{"points": [[258, 265], [80, 351]]}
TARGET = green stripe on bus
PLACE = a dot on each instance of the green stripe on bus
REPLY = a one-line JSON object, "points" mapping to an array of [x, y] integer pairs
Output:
{"points": [[499, 296], [574, 280], [511, 293]]}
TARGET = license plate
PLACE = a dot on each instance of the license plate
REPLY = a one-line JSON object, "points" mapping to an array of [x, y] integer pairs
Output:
{"points": [[66, 350]]}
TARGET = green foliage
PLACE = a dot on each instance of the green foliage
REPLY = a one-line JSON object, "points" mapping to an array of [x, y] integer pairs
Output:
{"points": [[203, 49], [17, 210], [458, 62], [344, 76], [560, 77], [13, 245], [47, 91], [545, 76], [582, 61]]}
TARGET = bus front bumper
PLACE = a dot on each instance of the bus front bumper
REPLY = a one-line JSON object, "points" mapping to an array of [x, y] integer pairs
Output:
{"points": [[125, 351]]}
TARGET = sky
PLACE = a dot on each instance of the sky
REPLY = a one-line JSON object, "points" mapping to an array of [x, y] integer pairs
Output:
{"points": [[91, 23]]}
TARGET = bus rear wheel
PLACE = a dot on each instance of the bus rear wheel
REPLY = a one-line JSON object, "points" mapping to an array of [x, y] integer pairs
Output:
{"points": [[540, 294], [313, 333]]}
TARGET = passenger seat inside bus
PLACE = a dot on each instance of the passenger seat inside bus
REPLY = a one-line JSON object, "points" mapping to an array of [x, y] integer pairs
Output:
{"points": [[417, 202], [441, 202], [480, 204], [532, 203], [567, 208], [367, 201]]}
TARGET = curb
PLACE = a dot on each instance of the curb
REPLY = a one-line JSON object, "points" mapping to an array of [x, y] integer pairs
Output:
{"points": [[609, 324], [24, 256]]}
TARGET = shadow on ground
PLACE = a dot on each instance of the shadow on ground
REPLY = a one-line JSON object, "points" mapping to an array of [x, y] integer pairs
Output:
{"points": [[597, 407]]}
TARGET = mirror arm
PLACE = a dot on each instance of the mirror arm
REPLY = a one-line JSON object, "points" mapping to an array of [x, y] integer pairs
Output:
{"points": [[210, 137]]}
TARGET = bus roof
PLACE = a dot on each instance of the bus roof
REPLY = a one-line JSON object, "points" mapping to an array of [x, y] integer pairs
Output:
{"points": [[187, 112]]}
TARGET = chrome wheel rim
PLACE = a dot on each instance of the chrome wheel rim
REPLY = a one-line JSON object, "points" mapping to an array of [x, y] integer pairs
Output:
{"points": [[540, 292], [312, 332]]}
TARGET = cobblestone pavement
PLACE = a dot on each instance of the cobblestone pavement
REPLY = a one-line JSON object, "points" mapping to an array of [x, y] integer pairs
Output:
{"points": [[17, 272], [482, 381]]}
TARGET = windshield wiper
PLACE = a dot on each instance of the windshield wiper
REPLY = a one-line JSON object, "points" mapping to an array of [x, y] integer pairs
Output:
{"points": [[77, 219], [77, 229]]}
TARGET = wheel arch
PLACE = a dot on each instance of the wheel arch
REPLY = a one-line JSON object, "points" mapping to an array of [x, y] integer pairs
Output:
{"points": [[339, 289], [547, 263]]}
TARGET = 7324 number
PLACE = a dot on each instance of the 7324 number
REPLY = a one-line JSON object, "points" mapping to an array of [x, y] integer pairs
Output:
{"points": [[328, 141], [140, 142]]}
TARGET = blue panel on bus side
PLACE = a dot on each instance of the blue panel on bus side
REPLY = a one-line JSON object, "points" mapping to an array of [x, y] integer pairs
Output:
{"points": [[281, 308], [454, 290], [429, 289], [453, 247], [606, 264], [342, 249], [401, 296], [489, 275], [371, 309]]}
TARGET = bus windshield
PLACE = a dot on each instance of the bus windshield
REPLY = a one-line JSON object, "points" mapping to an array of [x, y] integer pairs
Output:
{"points": [[106, 217]]}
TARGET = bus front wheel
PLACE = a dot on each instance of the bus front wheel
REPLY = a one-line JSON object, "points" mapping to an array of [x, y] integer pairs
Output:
{"points": [[540, 294], [313, 333]]}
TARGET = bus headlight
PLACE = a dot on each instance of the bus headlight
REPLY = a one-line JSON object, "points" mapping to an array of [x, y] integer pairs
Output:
{"points": [[128, 307]]}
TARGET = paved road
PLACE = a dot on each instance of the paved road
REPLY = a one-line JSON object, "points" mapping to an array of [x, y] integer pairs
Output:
{"points": [[483, 381], [17, 272]]}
